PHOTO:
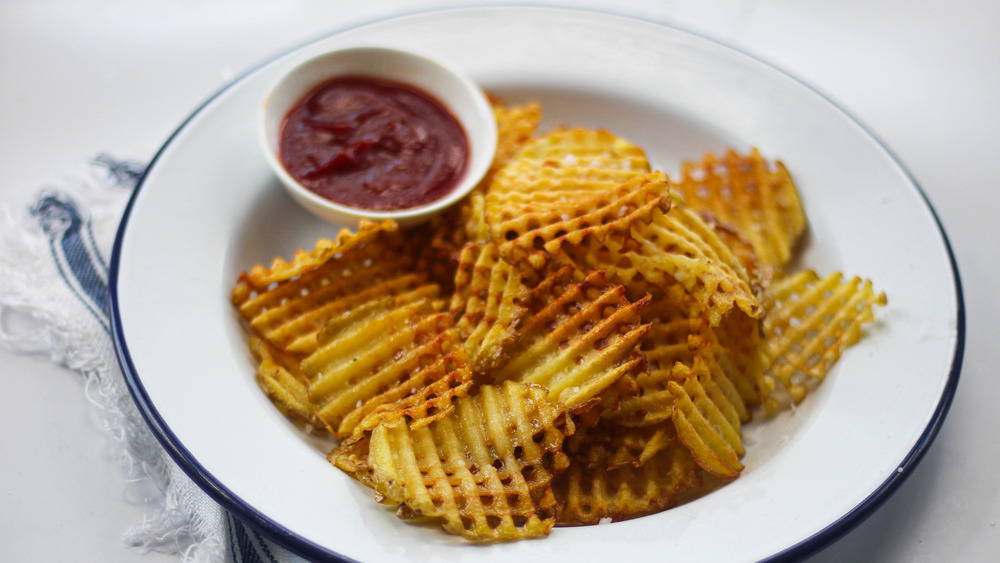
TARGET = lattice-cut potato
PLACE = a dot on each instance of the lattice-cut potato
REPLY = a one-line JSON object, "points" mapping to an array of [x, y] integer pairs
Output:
{"points": [[706, 420], [427, 395], [609, 445], [531, 236], [676, 247], [580, 343], [377, 238], [423, 380], [590, 495], [680, 341], [367, 352], [562, 177], [278, 377], [484, 470], [749, 194], [811, 320], [559, 168], [490, 301], [738, 347], [516, 125], [351, 457], [302, 320], [289, 302]]}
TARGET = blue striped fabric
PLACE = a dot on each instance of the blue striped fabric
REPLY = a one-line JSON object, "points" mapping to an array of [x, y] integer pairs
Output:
{"points": [[66, 223]]}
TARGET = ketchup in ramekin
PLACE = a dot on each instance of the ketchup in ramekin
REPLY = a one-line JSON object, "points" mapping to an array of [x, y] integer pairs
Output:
{"points": [[373, 144]]}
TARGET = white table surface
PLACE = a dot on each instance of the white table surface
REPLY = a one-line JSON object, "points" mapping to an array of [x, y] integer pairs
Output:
{"points": [[79, 78]]}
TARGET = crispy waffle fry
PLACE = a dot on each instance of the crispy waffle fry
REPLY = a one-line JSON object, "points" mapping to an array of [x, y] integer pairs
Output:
{"points": [[673, 247], [427, 376], [531, 236], [560, 183], [379, 238], [288, 303], [286, 389], [590, 495], [466, 222], [580, 343], [609, 445], [685, 341], [367, 353], [424, 397], [746, 193], [351, 457], [566, 165], [810, 322], [490, 300], [706, 421], [485, 470], [516, 126]]}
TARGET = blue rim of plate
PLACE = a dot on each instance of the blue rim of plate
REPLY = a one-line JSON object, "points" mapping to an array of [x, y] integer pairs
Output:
{"points": [[312, 551]]}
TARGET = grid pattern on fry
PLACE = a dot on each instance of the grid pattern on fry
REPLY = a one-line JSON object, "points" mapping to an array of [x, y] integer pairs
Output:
{"points": [[752, 196], [490, 301], [485, 470], [580, 342], [812, 320]]}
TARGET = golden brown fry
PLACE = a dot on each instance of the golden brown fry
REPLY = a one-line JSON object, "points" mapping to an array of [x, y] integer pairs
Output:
{"points": [[706, 422], [674, 247], [286, 389], [558, 183], [684, 341], [368, 352], [609, 445], [745, 192], [562, 166], [490, 301], [811, 320], [429, 376], [580, 343], [466, 222], [530, 237], [289, 302], [485, 470], [590, 495]]}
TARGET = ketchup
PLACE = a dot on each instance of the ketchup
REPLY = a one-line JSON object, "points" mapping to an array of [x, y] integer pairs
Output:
{"points": [[373, 144]]}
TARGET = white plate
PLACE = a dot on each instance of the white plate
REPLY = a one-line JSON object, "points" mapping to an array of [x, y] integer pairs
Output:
{"points": [[209, 207]]}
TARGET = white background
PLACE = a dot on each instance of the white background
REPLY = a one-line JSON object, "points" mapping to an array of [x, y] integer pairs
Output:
{"points": [[80, 78]]}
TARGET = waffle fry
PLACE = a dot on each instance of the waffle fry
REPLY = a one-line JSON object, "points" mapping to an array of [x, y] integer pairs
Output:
{"points": [[580, 343], [675, 247], [515, 127], [609, 445], [590, 495], [485, 470], [489, 302], [745, 192], [288, 303], [286, 389], [566, 165], [352, 366], [580, 339], [684, 341], [811, 321], [706, 421], [529, 238], [562, 182]]}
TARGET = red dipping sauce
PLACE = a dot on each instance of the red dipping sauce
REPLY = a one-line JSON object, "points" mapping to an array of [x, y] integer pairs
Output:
{"points": [[373, 144]]}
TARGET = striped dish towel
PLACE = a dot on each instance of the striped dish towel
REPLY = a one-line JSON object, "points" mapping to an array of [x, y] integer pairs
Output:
{"points": [[53, 300]]}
